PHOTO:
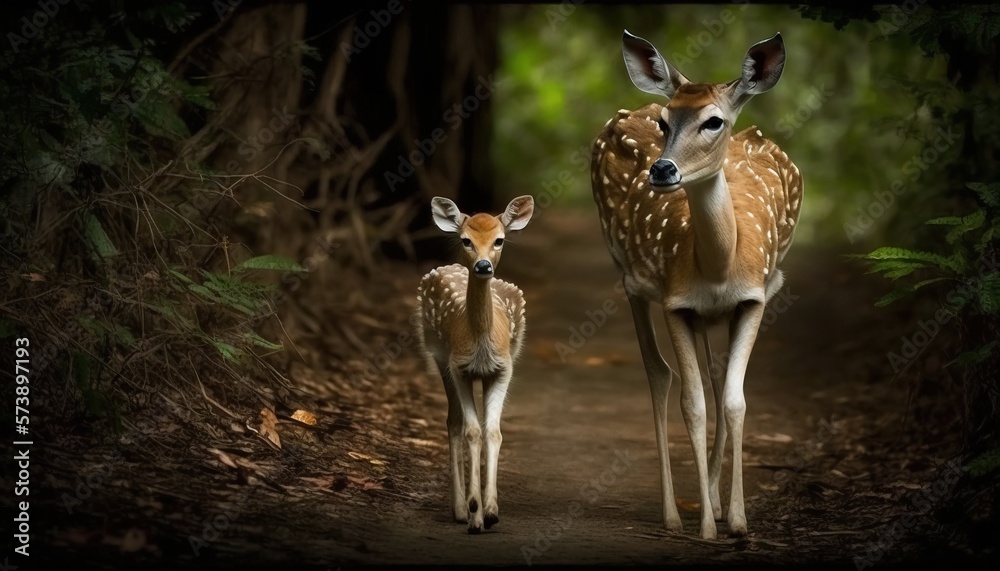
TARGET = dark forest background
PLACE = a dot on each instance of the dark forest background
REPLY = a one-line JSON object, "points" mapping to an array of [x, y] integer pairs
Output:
{"points": [[190, 189]]}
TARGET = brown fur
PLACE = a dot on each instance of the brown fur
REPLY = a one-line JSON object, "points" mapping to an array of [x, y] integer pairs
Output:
{"points": [[626, 199]]}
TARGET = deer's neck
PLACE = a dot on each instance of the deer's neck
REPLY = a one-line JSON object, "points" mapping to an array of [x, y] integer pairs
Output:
{"points": [[714, 224], [479, 305]]}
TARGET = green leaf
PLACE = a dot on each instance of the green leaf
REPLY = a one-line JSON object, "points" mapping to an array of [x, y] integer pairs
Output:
{"points": [[168, 310], [888, 253], [97, 237], [92, 325], [985, 463], [228, 352], [160, 119], [989, 193], [256, 339], [988, 294], [270, 262], [181, 277], [975, 356], [123, 335], [962, 224], [894, 296]]}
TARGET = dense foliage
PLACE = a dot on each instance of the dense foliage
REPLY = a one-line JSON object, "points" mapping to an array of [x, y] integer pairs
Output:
{"points": [[115, 251]]}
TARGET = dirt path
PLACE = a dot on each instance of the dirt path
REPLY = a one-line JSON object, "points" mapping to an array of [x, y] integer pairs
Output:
{"points": [[578, 478], [828, 468]]}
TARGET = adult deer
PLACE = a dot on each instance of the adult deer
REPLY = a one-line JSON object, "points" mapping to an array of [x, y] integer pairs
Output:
{"points": [[697, 219], [470, 327]]}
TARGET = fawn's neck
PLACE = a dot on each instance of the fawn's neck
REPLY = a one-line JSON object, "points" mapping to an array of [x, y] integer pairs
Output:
{"points": [[479, 305], [714, 224]]}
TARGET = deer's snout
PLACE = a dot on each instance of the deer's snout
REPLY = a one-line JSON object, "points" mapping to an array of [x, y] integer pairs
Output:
{"points": [[483, 269], [664, 173]]}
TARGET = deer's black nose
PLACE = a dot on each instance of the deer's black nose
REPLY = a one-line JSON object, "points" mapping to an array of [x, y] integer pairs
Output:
{"points": [[483, 268], [664, 173]]}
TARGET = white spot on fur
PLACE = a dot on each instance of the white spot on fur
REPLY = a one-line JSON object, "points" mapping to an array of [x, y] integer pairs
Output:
{"points": [[759, 134]]}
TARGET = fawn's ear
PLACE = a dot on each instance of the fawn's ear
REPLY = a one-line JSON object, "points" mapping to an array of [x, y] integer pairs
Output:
{"points": [[762, 69], [518, 213], [447, 216], [647, 68]]}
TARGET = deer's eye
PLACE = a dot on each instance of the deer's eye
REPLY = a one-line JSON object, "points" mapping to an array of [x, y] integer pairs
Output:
{"points": [[467, 242], [498, 243], [713, 124]]}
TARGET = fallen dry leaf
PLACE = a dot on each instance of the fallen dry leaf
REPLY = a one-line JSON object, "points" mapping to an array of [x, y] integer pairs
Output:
{"points": [[134, 540], [362, 456], [324, 483], [268, 430], [770, 487], [364, 483], [595, 362], [223, 457], [304, 416], [420, 441], [688, 505], [907, 485], [33, 277], [776, 437]]}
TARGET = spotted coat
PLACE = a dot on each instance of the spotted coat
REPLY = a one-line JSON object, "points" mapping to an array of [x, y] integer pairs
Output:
{"points": [[649, 233]]}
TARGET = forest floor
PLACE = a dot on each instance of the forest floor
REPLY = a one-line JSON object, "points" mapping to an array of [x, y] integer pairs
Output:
{"points": [[835, 471]]}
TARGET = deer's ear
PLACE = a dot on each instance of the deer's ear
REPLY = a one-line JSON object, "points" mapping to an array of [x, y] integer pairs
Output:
{"points": [[447, 216], [647, 68], [762, 67], [518, 213]]}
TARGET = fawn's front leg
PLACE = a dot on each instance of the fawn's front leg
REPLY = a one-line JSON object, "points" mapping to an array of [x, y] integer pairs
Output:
{"points": [[474, 442], [494, 395], [456, 444]]}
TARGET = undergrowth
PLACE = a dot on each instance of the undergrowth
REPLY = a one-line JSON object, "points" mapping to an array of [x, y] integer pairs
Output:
{"points": [[114, 247]]}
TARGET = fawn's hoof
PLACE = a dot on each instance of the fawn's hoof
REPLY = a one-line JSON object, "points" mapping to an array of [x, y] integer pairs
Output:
{"points": [[674, 525], [738, 527], [490, 520]]}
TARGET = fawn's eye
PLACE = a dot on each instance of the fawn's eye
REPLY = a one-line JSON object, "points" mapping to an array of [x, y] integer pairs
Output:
{"points": [[713, 124], [498, 243], [467, 242]]}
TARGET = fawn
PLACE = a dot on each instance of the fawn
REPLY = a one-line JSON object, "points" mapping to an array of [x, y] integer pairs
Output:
{"points": [[470, 327]]}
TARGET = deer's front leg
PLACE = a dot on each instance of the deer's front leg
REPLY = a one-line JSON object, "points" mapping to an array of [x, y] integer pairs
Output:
{"points": [[659, 375], [719, 447], [494, 395], [743, 334], [693, 408]]}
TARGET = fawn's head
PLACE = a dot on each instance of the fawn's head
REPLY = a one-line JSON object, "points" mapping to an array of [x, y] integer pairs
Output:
{"points": [[698, 120], [482, 234]]}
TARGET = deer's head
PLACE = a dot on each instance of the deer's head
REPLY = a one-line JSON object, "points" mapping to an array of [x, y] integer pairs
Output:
{"points": [[482, 234], [698, 120]]}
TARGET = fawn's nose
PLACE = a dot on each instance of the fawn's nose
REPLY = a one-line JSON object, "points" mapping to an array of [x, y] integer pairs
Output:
{"points": [[483, 269], [664, 173]]}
